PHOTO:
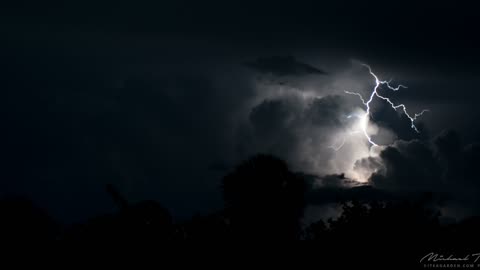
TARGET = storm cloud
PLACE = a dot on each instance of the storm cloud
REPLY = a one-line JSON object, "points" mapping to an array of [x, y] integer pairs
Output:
{"points": [[158, 99], [283, 66], [443, 165]]}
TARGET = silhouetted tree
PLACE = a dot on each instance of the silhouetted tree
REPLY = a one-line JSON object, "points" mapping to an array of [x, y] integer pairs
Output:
{"points": [[22, 222], [264, 199], [214, 227], [146, 221], [379, 222]]}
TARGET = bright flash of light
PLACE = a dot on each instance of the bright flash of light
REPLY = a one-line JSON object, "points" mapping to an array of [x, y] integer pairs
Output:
{"points": [[365, 118]]}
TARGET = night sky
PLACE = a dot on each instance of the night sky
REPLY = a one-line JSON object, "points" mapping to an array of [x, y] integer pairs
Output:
{"points": [[163, 99]]}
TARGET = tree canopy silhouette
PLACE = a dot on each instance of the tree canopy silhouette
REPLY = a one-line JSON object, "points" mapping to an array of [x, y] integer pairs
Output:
{"points": [[264, 199]]}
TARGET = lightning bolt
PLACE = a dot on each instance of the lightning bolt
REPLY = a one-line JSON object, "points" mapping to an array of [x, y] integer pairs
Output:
{"points": [[366, 117], [344, 139], [340, 145]]}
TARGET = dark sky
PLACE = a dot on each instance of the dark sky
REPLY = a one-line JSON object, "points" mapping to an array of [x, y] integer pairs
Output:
{"points": [[162, 98]]}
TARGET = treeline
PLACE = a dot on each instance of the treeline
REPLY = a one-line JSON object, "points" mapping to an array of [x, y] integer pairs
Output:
{"points": [[264, 201]]}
